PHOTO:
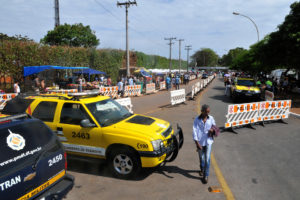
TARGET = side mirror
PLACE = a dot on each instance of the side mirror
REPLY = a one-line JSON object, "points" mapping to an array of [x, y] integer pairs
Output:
{"points": [[85, 123]]}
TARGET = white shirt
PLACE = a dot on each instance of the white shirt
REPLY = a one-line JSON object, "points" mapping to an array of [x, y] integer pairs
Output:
{"points": [[16, 88], [200, 130], [120, 86], [130, 81]]}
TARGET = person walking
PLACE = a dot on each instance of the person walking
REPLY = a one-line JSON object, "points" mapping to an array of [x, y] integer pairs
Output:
{"points": [[177, 82], [168, 81], [203, 137], [80, 82], [120, 85], [17, 87]]}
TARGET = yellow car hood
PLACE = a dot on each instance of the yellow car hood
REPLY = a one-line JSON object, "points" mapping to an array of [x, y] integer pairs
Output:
{"points": [[148, 126], [253, 88]]}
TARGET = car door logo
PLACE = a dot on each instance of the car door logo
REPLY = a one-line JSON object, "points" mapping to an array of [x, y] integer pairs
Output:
{"points": [[15, 141]]}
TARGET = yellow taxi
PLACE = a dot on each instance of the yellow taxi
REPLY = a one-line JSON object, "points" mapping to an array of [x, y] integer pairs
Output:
{"points": [[96, 126], [245, 89]]}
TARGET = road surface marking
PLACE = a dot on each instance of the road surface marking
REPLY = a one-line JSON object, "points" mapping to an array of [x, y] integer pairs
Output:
{"points": [[222, 181], [219, 175]]}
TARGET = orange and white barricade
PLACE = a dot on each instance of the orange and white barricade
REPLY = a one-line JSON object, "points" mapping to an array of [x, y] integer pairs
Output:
{"points": [[274, 110], [249, 113], [132, 90], [109, 91], [162, 85], [242, 114], [63, 91], [150, 88], [6, 97], [126, 102]]}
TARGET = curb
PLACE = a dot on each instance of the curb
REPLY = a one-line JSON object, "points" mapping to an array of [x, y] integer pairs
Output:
{"points": [[295, 115]]}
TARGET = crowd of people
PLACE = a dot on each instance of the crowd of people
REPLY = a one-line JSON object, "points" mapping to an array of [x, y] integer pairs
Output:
{"points": [[279, 86], [39, 84]]}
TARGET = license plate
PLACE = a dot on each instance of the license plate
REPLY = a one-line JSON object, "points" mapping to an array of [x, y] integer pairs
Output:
{"points": [[248, 94]]}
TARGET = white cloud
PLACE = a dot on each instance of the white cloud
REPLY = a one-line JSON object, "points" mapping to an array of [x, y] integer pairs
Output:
{"points": [[201, 23]]}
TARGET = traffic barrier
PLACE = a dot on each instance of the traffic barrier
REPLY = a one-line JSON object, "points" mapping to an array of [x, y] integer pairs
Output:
{"points": [[274, 110], [269, 96], [6, 97], [249, 113], [126, 102], [52, 88], [242, 114], [109, 91], [150, 88], [192, 77], [162, 85], [177, 96], [62, 91], [132, 90]]}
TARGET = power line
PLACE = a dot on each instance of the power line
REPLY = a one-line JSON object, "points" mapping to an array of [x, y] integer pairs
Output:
{"points": [[170, 57], [107, 10]]}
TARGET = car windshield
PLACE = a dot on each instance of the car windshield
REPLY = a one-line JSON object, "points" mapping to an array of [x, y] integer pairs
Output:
{"points": [[246, 83], [108, 112]]}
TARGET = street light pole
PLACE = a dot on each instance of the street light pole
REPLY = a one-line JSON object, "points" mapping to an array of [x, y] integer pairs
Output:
{"points": [[236, 13]]}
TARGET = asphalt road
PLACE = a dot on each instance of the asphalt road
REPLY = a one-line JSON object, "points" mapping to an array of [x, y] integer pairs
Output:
{"points": [[256, 164]]}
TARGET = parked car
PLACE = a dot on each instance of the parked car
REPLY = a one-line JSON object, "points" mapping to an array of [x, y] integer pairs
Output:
{"points": [[33, 163], [204, 76], [98, 127]]}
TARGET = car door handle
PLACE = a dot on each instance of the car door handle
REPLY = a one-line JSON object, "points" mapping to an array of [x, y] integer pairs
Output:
{"points": [[59, 128]]}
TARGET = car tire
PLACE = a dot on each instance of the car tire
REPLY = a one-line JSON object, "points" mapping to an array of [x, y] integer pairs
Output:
{"points": [[124, 163]]}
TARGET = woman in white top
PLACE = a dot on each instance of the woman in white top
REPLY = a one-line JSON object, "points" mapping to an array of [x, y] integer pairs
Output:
{"points": [[17, 87]]}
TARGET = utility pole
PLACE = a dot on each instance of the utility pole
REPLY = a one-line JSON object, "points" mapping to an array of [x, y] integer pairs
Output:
{"points": [[188, 48], [170, 57], [127, 4], [180, 40], [56, 10]]}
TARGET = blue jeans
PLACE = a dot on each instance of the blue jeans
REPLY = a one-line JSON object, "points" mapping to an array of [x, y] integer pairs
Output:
{"points": [[204, 157]]}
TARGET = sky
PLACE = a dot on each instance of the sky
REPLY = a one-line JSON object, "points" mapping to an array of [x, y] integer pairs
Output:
{"points": [[202, 24]]}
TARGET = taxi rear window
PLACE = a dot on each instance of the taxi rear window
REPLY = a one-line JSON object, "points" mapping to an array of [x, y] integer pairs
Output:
{"points": [[21, 143]]}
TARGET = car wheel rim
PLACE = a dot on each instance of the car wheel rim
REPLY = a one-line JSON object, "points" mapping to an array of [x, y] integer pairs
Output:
{"points": [[123, 164]]}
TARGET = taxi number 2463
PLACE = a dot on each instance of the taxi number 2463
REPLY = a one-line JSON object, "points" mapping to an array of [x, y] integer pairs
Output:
{"points": [[81, 135], [54, 160]]}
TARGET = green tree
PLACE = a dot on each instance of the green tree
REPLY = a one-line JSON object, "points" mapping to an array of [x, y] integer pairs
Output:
{"points": [[14, 38], [76, 35], [228, 58], [280, 49], [205, 57]]}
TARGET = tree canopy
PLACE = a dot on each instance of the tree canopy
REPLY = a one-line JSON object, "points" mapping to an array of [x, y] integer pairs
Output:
{"points": [[279, 49], [228, 58], [205, 57], [76, 35]]}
